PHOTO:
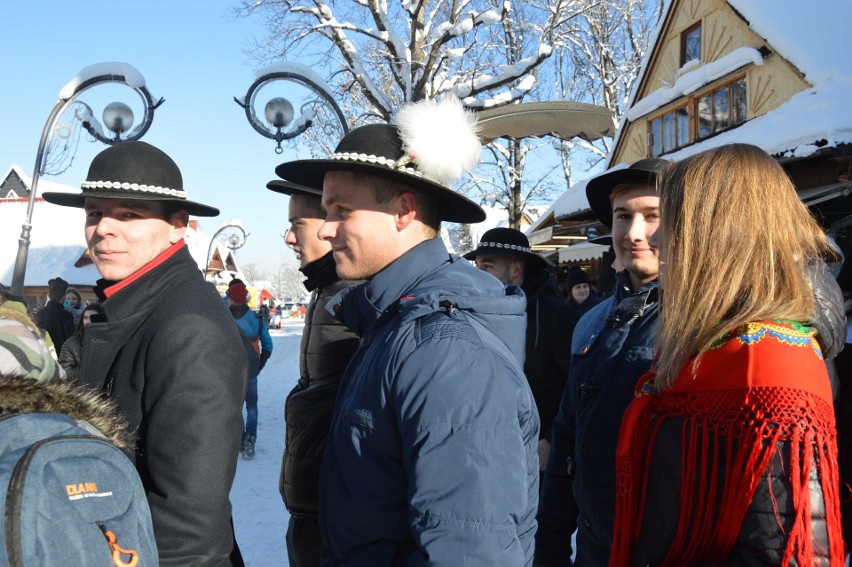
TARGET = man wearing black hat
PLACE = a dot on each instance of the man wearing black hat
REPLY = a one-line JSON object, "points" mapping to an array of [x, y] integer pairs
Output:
{"points": [[53, 317], [431, 456], [326, 348], [165, 349], [505, 253], [611, 348]]}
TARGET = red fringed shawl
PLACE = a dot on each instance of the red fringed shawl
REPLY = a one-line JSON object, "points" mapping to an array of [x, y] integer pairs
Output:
{"points": [[762, 384]]}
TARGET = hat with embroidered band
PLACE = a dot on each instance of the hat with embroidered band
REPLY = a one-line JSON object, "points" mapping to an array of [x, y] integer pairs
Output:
{"points": [[428, 146], [135, 171], [598, 189], [287, 188], [509, 241]]}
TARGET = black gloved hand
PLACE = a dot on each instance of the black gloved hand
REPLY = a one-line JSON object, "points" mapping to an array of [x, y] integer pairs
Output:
{"points": [[264, 356]]}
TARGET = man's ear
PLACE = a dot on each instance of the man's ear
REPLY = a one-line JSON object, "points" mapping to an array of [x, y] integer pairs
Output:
{"points": [[517, 269], [406, 209], [179, 221]]}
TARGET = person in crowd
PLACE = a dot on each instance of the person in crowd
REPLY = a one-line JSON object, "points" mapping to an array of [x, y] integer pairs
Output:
{"points": [[72, 351], [326, 348], [53, 318], [264, 313], [611, 348], [31, 381], [73, 303], [505, 253], [733, 341], [432, 453], [165, 349], [580, 297], [24, 352], [257, 344]]}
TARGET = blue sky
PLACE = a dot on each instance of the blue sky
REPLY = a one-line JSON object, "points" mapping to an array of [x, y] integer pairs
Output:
{"points": [[192, 54]]}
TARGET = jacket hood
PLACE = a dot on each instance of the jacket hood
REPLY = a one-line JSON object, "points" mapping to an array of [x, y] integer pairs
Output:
{"points": [[443, 282], [24, 395]]}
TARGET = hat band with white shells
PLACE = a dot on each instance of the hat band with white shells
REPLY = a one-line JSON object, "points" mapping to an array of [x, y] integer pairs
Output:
{"points": [[506, 246], [116, 185], [402, 163]]}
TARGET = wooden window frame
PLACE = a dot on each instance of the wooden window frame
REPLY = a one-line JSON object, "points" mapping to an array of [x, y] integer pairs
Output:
{"points": [[678, 143], [732, 114], [683, 35]]}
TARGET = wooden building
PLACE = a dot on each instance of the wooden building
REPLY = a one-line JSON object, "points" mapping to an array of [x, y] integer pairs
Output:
{"points": [[773, 74]]}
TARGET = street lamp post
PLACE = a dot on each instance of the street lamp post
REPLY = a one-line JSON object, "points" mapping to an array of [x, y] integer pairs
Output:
{"points": [[234, 240], [118, 118], [281, 121]]}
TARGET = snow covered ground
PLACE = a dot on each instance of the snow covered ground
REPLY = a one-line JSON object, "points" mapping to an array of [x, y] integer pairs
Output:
{"points": [[260, 518]]}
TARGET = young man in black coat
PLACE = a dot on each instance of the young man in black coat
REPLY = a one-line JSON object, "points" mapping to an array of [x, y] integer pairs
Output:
{"points": [[505, 253], [327, 345], [165, 349], [53, 317]]}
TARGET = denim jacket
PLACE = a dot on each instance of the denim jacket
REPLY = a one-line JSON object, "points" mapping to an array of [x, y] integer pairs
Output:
{"points": [[612, 347]]}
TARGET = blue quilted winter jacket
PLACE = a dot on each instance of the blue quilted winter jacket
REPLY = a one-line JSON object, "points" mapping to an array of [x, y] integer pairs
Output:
{"points": [[432, 456]]}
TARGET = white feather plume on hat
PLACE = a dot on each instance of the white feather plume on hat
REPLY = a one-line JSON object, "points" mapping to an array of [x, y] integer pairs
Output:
{"points": [[440, 137]]}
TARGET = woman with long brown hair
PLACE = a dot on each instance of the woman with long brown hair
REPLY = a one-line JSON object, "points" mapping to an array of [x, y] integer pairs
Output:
{"points": [[727, 455]]}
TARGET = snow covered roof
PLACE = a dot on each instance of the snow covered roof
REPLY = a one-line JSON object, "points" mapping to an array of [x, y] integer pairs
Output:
{"points": [[798, 30], [56, 243]]}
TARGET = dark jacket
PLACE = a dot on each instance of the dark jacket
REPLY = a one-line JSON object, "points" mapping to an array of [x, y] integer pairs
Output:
{"points": [[169, 354], [611, 348], [550, 323], [58, 323], [327, 345], [432, 456], [71, 356]]}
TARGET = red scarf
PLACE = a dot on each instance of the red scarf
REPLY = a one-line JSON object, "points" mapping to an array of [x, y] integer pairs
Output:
{"points": [[764, 383]]}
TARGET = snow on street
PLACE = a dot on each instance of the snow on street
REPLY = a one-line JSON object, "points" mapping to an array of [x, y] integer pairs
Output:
{"points": [[260, 518]]}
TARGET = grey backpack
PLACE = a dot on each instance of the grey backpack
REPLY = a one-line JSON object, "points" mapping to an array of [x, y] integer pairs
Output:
{"points": [[69, 497]]}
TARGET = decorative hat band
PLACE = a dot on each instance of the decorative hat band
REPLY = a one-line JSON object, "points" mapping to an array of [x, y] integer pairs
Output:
{"points": [[401, 163], [97, 185], [506, 246]]}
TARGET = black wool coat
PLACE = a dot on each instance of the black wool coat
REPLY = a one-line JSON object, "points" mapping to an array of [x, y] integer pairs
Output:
{"points": [[170, 355], [327, 345], [58, 323], [550, 324]]}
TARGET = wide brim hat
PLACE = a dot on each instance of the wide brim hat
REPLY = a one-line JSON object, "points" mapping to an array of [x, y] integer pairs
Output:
{"points": [[287, 188], [133, 171], [509, 241], [598, 189], [429, 146]]}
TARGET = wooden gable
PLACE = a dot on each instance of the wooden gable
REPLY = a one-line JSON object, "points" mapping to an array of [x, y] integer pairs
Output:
{"points": [[13, 187], [722, 32]]}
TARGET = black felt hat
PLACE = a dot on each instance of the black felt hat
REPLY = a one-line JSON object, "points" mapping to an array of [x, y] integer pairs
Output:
{"points": [[430, 145], [508, 241], [133, 170], [287, 188], [599, 188]]}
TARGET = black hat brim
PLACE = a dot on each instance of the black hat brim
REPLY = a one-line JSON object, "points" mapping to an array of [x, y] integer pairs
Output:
{"points": [[311, 172], [78, 200], [287, 188]]}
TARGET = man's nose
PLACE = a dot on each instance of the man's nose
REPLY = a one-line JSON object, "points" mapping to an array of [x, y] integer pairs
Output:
{"points": [[637, 231], [105, 226], [327, 230]]}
